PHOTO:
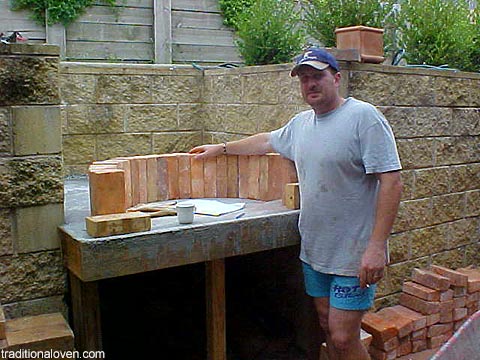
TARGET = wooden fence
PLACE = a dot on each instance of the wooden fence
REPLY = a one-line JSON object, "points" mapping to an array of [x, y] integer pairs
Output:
{"points": [[143, 31]]}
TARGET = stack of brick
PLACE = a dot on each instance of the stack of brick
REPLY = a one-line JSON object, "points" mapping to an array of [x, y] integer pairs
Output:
{"points": [[41, 333], [120, 183], [433, 305]]}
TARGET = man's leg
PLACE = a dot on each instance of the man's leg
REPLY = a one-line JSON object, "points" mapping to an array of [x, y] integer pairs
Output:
{"points": [[322, 304], [344, 328]]}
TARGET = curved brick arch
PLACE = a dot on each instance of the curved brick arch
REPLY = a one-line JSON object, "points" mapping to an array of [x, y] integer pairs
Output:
{"points": [[120, 183]]}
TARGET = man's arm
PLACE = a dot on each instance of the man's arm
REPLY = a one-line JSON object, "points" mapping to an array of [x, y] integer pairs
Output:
{"points": [[258, 144], [374, 258]]}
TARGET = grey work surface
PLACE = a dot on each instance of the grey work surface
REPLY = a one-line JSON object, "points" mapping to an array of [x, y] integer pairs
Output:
{"points": [[265, 226]]}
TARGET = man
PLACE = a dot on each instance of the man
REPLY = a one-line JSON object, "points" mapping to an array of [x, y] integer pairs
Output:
{"points": [[348, 170]]}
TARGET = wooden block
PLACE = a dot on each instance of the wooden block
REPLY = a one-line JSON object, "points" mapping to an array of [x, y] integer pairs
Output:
{"points": [[107, 192], [2, 324], [430, 279], [420, 305], [439, 329], [433, 319], [419, 345], [42, 332], [254, 177], [421, 291], [378, 327], [459, 313], [403, 324], [222, 176], [405, 346], [162, 178], [291, 197], [210, 177], [446, 295], [419, 321], [456, 278], [232, 176], [115, 224], [419, 334], [473, 282], [378, 354], [152, 178], [184, 176], [243, 176], [198, 184]]}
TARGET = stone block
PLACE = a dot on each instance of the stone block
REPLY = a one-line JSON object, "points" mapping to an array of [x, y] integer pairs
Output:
{"points": [[450, 258], [175, 89], [399, 247], [472, 254], [124, 89], [435, 236], [79, 149], [3, 321], [42, 275], [448, 207], [45, 305], [465, 122], [416, 153], [112, 145], [31, 181], [294, 96], [397, 273], [35, 228], [6, 239], [452, 150], [36, 130], [450, 91], [40, 333], [223, 89], [407, 177], [95, 119], [464, 177], [473, 203], [5, 132], [191, 117], [29, 80], [164, 143], [429, 182], [260, 88], [271, 117], [148, 118], [413, 214], [78, 88], [462, 232]]}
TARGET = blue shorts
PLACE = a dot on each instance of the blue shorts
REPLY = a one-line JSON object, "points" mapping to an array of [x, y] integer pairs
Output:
{"points": [[344, 292]]}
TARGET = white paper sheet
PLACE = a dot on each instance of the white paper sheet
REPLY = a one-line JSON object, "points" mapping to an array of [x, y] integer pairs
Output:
{"points": [[213, 207]]}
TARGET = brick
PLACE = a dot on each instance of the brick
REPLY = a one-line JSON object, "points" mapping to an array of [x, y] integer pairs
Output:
{"points": [[472, 309], [243, 172], [222, 176], [430, 279], [142, 177], [198, 184], [419, 334], [275, 183], [403, 324], [473, 278], [456, 278], [439, 329], [184, 176], [232, 176], [405, 346], [365, 338], [107, 192], [2, 324], [42, 332], [433, 319], [420, 305], [473, 298], [421, 291], [380, 329], [459, 302], [446, 306], [419, 345], [387, 345], [458, 324], [458, 291], [446, 317], [124, 164], [378, 354], [163, 178], [419, 321], [210, 177], [152, 176], [254, 176], [446, 295], [172, 171], [435, 342], [460, 313]]}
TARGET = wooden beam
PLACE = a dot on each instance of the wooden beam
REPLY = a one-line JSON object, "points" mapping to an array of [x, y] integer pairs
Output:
{"points": [[55, 35], [162, 23], [86, 314], [215, 293]]}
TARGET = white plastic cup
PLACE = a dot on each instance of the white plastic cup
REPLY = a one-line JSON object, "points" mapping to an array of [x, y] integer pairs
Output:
{"points": [[185, 212]]}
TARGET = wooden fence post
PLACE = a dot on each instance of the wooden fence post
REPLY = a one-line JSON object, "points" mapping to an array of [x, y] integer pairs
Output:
{"points": [[55, 35], [162, 22]]}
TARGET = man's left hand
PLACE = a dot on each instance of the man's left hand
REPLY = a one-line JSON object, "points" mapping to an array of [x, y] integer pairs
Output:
{"points": [[373, 264]]}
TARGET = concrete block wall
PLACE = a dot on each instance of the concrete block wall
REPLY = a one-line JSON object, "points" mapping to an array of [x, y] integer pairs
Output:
{"points": [[117, 111], [32, 280]]}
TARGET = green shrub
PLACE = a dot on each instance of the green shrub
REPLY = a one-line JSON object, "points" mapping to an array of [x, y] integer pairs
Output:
{"points": [[59, 11], [269, 32], [323, 16], [439, 32], [231, 10]]}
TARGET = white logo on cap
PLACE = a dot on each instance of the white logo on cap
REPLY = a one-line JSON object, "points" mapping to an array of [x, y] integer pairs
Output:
{"points": [[307, 56]]}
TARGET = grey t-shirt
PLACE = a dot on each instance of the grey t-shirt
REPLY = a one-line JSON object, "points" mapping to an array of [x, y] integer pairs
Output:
{"points": [[336, 155]]}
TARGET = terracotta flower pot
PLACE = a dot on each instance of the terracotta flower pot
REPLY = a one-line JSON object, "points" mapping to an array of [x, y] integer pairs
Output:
{"points": [[367, 40]]}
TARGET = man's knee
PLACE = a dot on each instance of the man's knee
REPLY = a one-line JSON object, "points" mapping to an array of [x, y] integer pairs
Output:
{"points": [[343, 341]]}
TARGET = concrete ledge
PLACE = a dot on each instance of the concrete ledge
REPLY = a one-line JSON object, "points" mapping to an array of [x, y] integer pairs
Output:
{"points": [[29, 49]]}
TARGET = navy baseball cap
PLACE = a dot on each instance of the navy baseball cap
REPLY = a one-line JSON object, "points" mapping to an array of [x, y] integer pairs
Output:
{"points": [[320, 59]]}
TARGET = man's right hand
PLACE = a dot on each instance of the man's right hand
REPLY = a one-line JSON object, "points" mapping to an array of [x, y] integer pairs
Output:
{"points": [[204, 151]]}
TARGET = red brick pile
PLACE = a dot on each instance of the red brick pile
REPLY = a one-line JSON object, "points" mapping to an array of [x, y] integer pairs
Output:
{"points": [[433, 305]]}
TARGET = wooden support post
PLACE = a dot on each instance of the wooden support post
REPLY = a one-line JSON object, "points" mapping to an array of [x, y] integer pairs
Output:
{"points": [[86, 314], [215, 293], [56, 35], [163, 31]]}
